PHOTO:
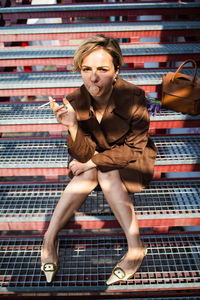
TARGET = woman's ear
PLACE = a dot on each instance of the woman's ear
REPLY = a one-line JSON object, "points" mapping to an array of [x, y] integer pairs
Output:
{"points": [[117, 72], [116, 75]]}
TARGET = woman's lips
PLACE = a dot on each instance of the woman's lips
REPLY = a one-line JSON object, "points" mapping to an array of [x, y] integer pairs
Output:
{"points": [[94, 90]]}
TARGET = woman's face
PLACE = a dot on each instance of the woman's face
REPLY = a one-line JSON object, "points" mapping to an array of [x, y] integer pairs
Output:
{"points": [[98, 70]]}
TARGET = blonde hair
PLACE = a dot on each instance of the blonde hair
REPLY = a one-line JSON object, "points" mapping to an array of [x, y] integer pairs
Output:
{"points": [[109, 44]]}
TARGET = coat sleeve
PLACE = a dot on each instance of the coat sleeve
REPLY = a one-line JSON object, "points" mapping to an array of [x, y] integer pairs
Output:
{"points": [[135, 141], [82, 148]]}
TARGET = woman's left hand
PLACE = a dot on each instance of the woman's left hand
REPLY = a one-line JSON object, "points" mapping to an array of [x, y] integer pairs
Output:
{"points": [[77, 167]]}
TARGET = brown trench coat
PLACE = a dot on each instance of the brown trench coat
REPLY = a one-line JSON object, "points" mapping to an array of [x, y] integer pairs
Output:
{"points": [[121, 138]]}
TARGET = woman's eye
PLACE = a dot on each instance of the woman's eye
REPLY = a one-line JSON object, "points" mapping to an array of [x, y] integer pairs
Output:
{"points": [[85, 69], [103, 70], [99, 70]]}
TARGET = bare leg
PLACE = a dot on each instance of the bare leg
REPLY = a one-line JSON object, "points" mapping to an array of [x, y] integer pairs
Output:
{"points": [[71, 200], [123, 209]]}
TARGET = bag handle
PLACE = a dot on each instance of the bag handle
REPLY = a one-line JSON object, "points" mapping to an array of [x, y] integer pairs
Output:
{"points": [[180, 67]]}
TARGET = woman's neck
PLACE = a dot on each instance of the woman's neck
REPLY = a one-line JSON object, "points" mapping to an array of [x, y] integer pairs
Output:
{"points": [[102, 101]]}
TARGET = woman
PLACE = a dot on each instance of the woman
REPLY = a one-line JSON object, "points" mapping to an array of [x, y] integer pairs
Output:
{"points": [[108, 122]]}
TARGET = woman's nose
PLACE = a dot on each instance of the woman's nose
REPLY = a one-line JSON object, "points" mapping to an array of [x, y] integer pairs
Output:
{"points": [[94, 76]]}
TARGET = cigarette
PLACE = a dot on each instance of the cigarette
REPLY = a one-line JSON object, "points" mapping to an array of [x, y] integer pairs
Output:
{"points": [[44, 104]]}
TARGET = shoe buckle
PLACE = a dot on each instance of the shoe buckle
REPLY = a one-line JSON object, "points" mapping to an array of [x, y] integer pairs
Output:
{"points": [[49, 267], [119, 272]]}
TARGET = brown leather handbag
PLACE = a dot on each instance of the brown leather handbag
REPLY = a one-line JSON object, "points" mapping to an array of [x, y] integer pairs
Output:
{"points": [[181, 92]]}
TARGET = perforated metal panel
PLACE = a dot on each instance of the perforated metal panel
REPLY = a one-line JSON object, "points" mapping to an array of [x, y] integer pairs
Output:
{"points": [[21, 53], [174, 150], [127, 50], [97, 7], [36, 153], [99, 27], [159, 49], [28, 113], [39, 80], [44, 153], [62, 79], [86, 262], [160, 200]]}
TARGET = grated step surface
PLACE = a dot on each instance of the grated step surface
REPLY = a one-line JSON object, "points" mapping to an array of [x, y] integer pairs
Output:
{"points": [[37, 153], [127, 51], [86, 262], [28, 113], [97, 7], [174, 150], [99, 27], [32, 80], [35, 202], [52, 152]]}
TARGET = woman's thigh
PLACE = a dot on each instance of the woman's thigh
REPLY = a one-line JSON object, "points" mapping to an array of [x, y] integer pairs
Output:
{"points": [[84, 182]]}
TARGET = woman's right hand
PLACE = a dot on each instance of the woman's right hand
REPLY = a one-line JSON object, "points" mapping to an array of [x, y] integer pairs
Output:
{"points": [[65, 115]]}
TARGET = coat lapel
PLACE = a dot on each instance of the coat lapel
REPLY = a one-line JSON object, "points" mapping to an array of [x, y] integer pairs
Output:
{"points": [[87, 118], [114, 124]]}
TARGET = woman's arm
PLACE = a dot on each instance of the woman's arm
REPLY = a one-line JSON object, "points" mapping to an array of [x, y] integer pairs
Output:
{"points": [[80, 146], [77, 167]]}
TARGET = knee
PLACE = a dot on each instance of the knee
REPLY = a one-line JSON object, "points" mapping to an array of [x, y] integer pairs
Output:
{"points": [[90, 175], [107, 179], [111, 181]]}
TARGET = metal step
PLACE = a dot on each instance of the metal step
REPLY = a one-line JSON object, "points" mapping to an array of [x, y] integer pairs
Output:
{"points": [[28, 113], [47, 156], [98, 27], [131, 54], [31, 80], [127, 51], [86, 262], [26, 117], [74, 31], [174, 150], [98, 7], [52, 152], [60, 83], [29, 206]]}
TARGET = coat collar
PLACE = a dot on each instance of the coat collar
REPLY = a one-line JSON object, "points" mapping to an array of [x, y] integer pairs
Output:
{"points": [[121, 90], [82, 104]]}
